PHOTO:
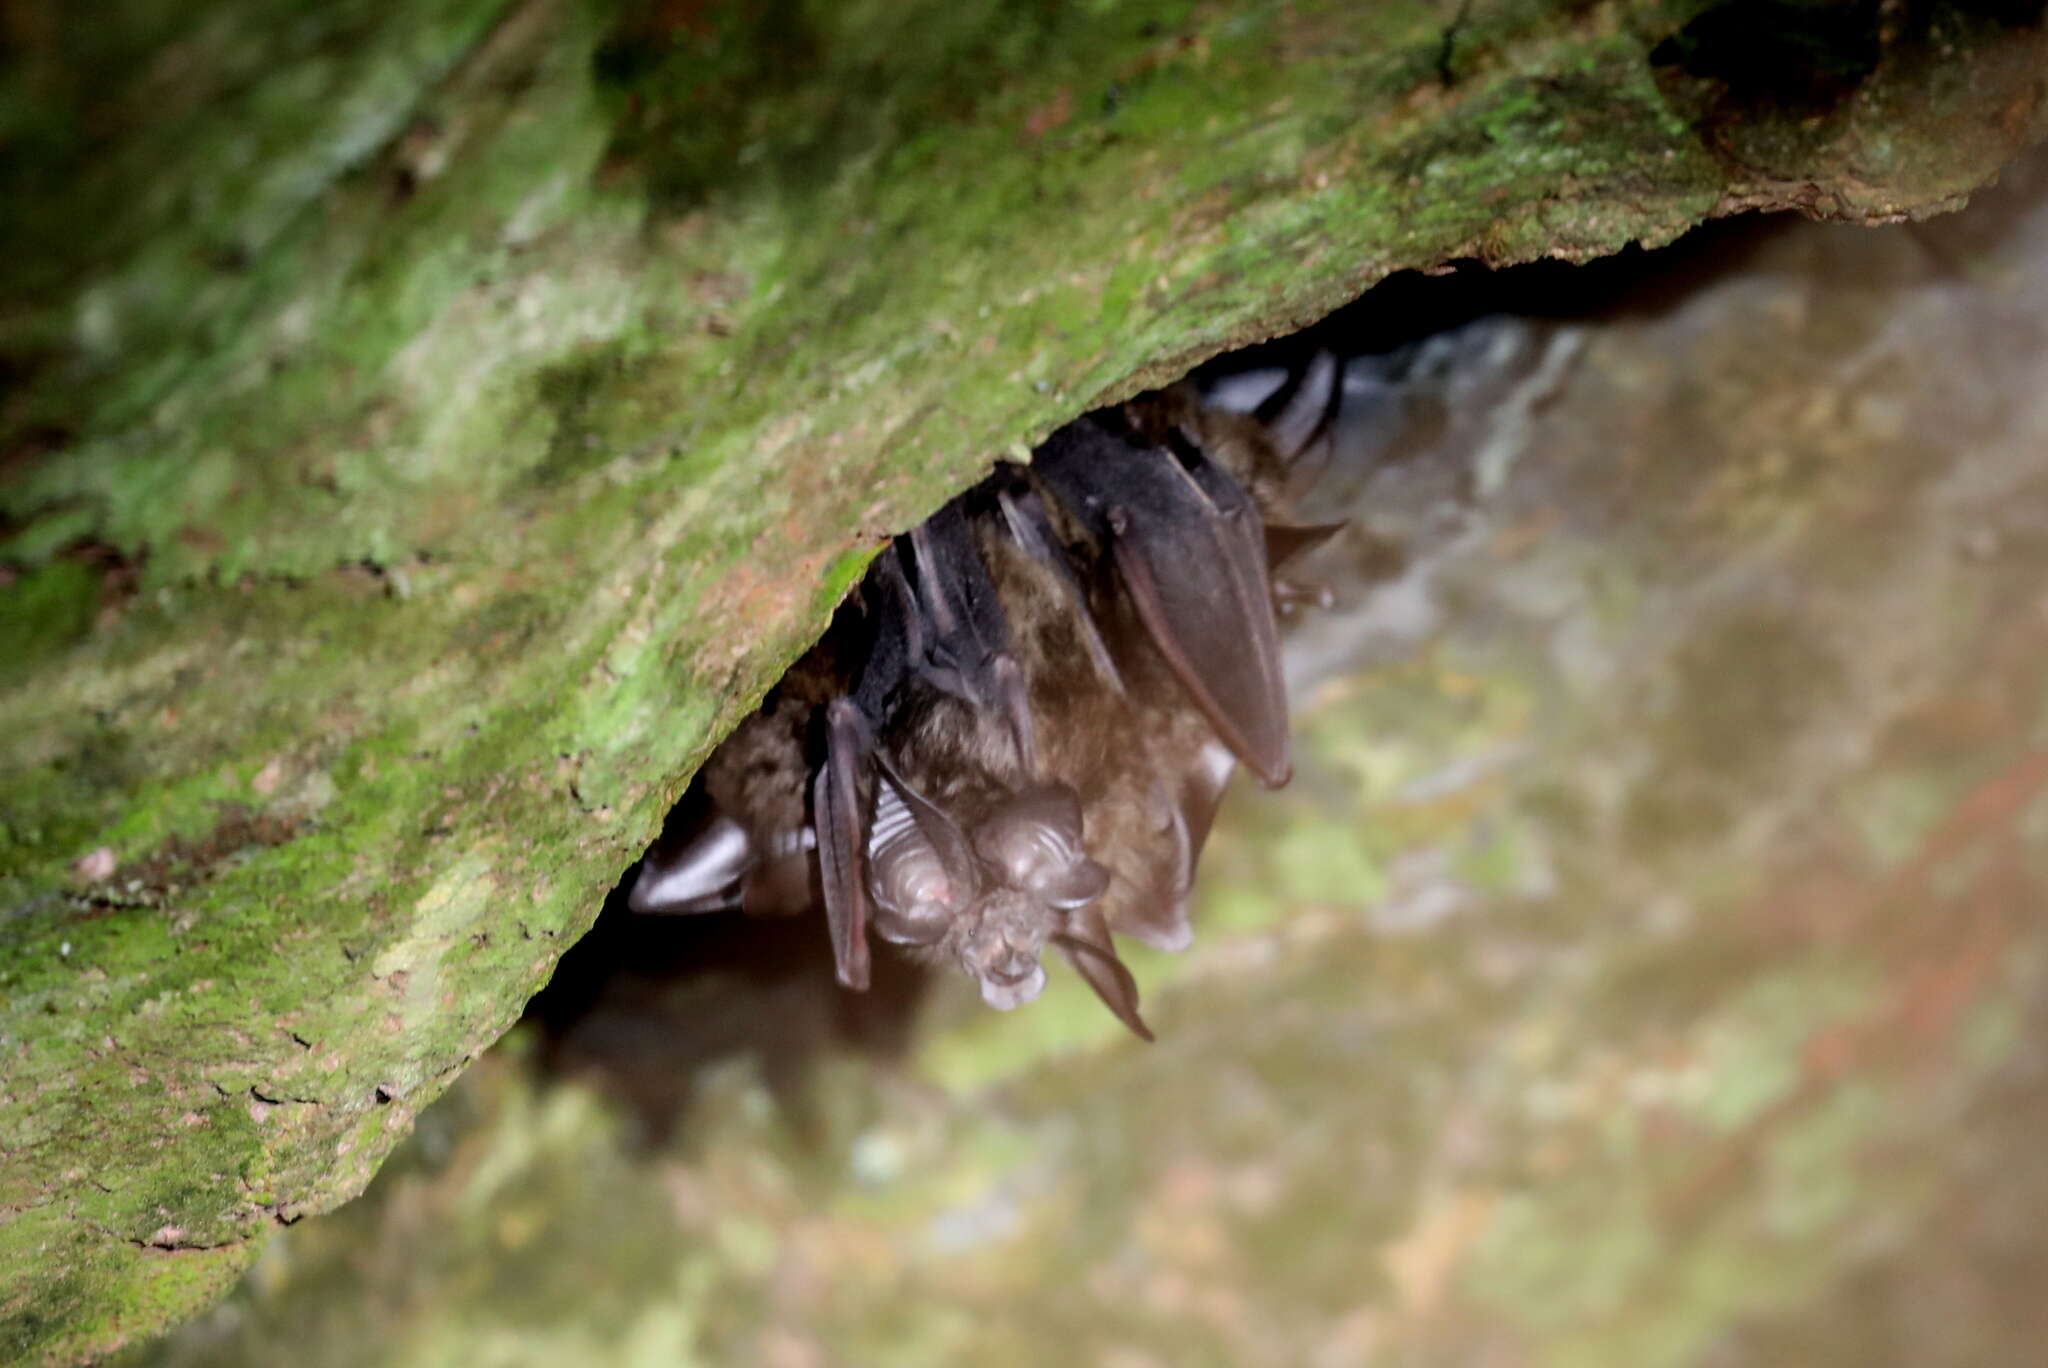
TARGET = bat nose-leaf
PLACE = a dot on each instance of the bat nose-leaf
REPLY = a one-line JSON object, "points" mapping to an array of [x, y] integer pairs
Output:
{"points": [[1003, 995]]}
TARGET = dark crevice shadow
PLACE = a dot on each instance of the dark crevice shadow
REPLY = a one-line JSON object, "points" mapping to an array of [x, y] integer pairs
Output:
{"points": [[643, 1006], [1411, 306]]}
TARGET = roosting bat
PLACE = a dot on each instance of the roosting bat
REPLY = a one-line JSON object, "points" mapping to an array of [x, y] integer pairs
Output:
{"points": [[1017, 730]]}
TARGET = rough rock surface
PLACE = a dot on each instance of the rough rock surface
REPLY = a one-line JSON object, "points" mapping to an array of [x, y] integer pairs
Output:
{"points": [[426, 429]]}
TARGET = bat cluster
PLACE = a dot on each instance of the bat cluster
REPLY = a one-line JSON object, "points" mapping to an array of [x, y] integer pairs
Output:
{"points": [[1017, 730]]}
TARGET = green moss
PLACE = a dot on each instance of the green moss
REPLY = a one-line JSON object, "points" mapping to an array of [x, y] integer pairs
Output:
{"points": [[48, 610], [495, 396]]}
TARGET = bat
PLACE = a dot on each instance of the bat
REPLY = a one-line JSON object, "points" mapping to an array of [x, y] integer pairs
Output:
{"points": [[1016, 732]]}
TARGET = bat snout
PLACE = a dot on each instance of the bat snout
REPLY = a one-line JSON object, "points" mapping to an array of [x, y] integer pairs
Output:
{"points": [[1002, 956], [1004, 992]]}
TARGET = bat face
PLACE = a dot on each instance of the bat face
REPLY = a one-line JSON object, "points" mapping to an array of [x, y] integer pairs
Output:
{"points": [[1017, 731], [986, 899]]}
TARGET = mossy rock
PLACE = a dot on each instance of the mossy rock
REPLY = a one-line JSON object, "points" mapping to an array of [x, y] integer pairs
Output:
{"points": [[427, 431]]}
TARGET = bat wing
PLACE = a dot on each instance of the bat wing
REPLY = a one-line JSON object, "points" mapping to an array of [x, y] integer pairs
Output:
{"points": [[704, 872], [1189, 548], [959, 638], [1025, 518], [896, 641], [842, 832], [1201, 793], [1186, 806]]}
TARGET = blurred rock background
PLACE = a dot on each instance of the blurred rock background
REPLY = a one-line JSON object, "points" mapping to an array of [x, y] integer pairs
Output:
{"points": [[1646, 965]]}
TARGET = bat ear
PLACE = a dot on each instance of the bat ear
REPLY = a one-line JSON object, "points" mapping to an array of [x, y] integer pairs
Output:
{"points": [[933, 824], [1087, 946], [916, 888], [705, 872], [1081, 884], [1034, 843], [842, 834]]}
